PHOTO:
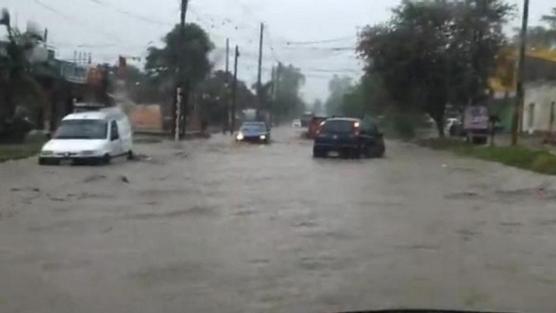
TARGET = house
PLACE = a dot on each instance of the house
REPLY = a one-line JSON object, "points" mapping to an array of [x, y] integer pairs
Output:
{"points": [[540, 93]]}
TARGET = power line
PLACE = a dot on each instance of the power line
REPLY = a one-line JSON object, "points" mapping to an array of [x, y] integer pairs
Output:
{"points": [[324, 48], [319, 41], [130, 14], [74, 19], [271, 46]]}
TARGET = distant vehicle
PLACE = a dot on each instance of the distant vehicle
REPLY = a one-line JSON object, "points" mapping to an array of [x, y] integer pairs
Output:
{"points": [[348, 137], [476, 124], [254, 132], [454, 127], [296, 123], [314, 126], [88, 137]]}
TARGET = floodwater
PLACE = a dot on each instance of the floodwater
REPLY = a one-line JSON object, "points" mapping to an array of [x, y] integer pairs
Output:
{"points": [[214, 226]]}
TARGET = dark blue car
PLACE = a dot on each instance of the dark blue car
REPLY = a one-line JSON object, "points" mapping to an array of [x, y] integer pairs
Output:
{"points": [[348, 137], [253, 132]]}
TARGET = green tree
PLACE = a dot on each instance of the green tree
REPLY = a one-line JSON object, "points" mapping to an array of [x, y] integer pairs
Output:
{"points": [[140, 87], [214, 97], [318, 107], [186, 49], [544, 36], [17, 84], [435, 52], [287, 93], [550, 19], [338, 87], [365, 98]]}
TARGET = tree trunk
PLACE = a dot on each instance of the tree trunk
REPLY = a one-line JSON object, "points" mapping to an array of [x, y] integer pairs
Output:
{"points": [[440, 128]]}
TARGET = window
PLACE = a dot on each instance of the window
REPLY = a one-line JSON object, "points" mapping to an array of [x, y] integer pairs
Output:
{"points": [[338, 127], [114, 134], [82, 129]]}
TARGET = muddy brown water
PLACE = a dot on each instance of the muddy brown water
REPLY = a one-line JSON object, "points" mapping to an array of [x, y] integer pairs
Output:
{"points": [[214, 226]]}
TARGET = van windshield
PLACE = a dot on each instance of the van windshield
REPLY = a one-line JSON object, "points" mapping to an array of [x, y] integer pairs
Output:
{"points": [[82, 129]]}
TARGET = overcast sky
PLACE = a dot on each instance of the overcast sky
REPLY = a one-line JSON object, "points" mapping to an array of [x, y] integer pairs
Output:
{"points": [[108, 28]]}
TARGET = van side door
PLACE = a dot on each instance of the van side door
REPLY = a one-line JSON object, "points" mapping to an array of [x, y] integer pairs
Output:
{"points": [[126, 135], [115, 140]]}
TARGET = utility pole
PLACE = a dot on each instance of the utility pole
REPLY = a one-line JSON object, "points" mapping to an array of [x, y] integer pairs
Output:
{"points": [[234, 91], [276, 71], [178, 114], [277, 81], [180, 99], [272, 100], [520, 92], [183, 13], [259, 74], [228, 117]]}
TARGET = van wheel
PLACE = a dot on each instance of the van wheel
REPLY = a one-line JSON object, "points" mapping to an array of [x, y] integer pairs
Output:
{"points": [[106, 159], [130, 155]]}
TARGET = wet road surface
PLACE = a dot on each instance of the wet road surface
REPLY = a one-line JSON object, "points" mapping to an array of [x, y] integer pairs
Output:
{"points": [[219, 227]]}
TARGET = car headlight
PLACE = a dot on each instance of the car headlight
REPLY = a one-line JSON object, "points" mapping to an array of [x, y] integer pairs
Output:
{"points": [[47, 152], [263, 137], [240, 136]]}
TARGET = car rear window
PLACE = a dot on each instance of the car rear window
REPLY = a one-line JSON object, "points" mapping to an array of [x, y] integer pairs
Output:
{"points": [[254, 127], [338, 127]]}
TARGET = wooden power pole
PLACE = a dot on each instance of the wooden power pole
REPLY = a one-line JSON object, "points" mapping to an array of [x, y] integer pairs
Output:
{"points": [[181, 92], [228, 117], [259, 74], [520, 92], [234, 91]]}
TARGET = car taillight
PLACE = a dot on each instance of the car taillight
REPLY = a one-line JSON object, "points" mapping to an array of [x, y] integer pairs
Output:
{"points": [[356, 129]]}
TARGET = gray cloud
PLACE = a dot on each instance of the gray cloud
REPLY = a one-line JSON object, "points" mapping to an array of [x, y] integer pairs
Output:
{"points": [[108, 28]]}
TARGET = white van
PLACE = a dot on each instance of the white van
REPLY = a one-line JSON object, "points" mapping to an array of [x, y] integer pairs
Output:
{"points": [[96, 136]]}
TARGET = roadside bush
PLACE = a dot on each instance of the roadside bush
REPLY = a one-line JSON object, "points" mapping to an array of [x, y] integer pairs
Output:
{"points": [[539, 161], [399, 125], [545, 163], [15, 131]]}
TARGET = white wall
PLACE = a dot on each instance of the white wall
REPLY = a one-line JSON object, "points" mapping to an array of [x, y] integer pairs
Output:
{"points": [[537, 117]]}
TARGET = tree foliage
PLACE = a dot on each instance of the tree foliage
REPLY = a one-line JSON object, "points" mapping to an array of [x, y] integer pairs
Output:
{"points": [[18, 87], [214, 97], [435, 52], [338, 87], [187, 49], [543, 36], [365, 98], [286, 86]]}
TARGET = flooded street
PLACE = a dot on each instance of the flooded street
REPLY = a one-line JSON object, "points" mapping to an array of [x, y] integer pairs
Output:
{"points": [[219, 227]]}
